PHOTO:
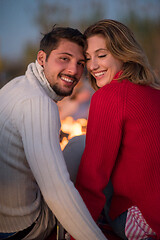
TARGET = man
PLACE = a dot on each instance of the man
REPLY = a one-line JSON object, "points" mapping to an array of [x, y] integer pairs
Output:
{"points": [[34, 181]]}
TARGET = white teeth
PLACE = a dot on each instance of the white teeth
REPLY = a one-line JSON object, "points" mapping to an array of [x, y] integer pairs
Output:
{"points": [[66, 79], [99, 74]]}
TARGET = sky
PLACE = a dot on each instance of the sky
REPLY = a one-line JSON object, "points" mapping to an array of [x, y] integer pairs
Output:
{"points": [[16, 26], [17, 19]]}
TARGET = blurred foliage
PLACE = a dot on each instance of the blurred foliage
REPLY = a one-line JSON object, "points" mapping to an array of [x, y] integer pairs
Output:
{"points": [[145, 28], [147, 32], [51, 13], [30, 53]]}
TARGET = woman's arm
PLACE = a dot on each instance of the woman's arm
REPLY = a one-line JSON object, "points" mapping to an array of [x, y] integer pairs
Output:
{"points": [[103, 139]]}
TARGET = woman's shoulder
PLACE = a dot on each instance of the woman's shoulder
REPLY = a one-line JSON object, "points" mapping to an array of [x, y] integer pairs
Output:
{"points": [[113, 89]]}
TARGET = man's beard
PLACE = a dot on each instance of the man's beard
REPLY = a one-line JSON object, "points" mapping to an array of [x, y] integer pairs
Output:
{"points": [[61, 92]]}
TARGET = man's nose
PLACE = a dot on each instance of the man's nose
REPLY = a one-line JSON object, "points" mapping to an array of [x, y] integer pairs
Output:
{"points": [[72, 68]]}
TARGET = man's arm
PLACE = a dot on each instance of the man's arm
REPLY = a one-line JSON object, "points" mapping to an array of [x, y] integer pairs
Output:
{"points": [[40, 134]]}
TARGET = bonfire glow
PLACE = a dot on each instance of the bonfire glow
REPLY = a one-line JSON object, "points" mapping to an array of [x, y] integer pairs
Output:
{"points": [[71, 128]]}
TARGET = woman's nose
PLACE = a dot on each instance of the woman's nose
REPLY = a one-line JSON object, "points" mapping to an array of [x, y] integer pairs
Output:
{"points": [[92, 64]]}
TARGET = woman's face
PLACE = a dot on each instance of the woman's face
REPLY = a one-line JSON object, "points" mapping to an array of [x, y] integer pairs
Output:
{"points": [[100, 62]]}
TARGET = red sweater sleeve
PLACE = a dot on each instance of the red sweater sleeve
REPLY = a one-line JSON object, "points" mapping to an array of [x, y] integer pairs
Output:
{"points": [[104, 131]]}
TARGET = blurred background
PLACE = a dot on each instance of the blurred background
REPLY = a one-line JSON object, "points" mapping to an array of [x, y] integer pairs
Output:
{"points": [[22, 23]]}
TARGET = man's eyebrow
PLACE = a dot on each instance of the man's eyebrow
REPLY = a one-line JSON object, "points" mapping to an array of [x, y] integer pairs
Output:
{"points": [[65, 53], [82, 60], [69, 54]]}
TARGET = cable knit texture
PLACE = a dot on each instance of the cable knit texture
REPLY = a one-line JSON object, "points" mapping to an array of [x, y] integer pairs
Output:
{"points": [[123, 143], [31, 160]]}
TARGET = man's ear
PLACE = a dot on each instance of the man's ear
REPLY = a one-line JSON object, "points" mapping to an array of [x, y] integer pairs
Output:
{"points": [[41, 57]]}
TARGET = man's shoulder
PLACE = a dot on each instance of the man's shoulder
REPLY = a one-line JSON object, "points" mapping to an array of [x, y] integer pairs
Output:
{"points": [[20, 89]]}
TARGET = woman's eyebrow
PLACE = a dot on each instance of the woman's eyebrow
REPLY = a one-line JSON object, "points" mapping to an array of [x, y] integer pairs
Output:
{"points": [[101, 49]]}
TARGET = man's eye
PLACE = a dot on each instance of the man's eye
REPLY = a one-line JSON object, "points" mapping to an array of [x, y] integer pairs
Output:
{"points": [[87, 59], [81, 64], [64, 58], [102, 56]]}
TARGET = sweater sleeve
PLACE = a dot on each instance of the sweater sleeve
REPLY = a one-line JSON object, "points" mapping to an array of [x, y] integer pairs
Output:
{"points": [[39, 127], [103, 139]]}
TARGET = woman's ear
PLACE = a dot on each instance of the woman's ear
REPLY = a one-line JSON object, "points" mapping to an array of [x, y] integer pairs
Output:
{"points": [[41, 57]]}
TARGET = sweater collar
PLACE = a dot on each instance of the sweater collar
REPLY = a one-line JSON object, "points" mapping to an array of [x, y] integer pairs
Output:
{"points": [[36, 70], [117, 75]]}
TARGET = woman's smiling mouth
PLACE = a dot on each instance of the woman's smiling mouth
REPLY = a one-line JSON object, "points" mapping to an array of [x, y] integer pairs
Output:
{"points": [[98, 75]]}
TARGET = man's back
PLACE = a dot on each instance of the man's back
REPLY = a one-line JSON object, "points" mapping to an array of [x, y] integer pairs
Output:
{"points": [[21, 195]]}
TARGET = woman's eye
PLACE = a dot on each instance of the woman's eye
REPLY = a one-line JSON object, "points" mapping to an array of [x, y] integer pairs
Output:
{"points": [[102, 56], [87, 59]]}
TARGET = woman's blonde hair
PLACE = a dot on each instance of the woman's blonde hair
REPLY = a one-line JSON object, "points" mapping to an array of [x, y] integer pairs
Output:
{"points": [[122, 44]]}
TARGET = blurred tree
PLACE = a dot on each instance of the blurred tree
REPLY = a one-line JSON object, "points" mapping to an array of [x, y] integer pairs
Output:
{"points": [[97, 13], [147, 32], [11, 70], [143, 17], [50, 13], [30, 53]]}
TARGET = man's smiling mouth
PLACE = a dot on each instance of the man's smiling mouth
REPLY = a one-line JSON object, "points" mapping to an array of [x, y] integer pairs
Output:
{"points": [[66, 79]]}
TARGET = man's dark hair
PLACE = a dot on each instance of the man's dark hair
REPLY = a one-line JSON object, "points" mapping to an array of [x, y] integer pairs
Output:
{"points": [[51, 40]]}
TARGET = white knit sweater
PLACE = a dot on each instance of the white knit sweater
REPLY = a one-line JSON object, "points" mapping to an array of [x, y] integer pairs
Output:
{"points": [[31, 161]]}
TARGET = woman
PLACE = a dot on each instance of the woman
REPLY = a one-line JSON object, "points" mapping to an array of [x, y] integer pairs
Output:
{"points": [[123, 133]]}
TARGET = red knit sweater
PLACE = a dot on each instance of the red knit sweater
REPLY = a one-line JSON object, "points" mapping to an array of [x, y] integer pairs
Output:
{"points": [[123, 143]]}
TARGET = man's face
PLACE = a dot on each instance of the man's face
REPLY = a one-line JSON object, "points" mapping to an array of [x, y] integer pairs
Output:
{"points": [[64, 66]]}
